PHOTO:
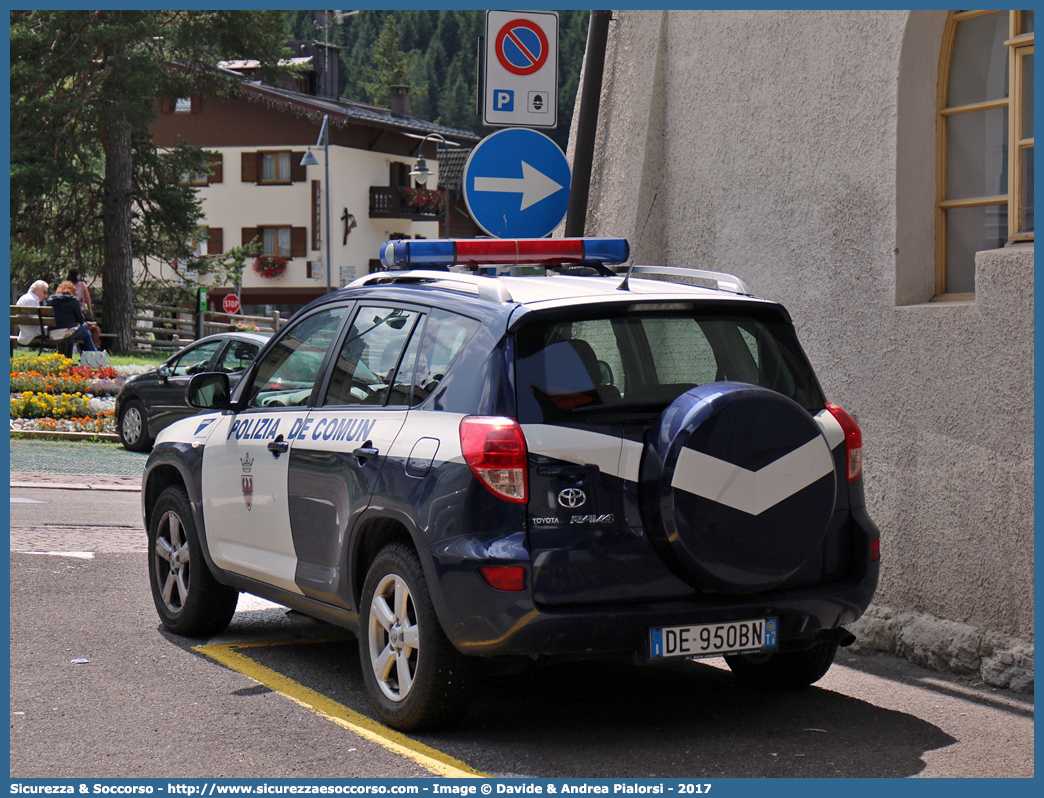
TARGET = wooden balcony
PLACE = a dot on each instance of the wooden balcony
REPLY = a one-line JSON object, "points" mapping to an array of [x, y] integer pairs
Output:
{"points": [[385, 204]]}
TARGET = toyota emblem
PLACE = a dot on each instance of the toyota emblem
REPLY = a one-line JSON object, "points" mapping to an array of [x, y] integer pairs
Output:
{"points": [[572, 497]]}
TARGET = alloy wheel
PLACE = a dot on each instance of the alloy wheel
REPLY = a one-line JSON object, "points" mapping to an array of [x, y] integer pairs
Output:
{"points": [[394, 637], [173, 562]]}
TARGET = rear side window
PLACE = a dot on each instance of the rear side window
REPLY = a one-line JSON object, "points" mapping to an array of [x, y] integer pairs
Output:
{"points": [[364, 372], [641, 362], [194, 360], [445, 335], [238, 356]]}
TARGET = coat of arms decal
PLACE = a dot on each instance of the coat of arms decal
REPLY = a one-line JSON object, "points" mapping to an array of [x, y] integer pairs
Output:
{"points": [[248, 480]]}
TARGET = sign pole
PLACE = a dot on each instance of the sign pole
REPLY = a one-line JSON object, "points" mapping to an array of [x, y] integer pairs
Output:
{"points": [[587, 122], [202, 309]]}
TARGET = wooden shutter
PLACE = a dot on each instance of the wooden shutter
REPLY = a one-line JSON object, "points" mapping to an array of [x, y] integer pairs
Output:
{"points": [[298, 173], [249, 234], [399, 174], [197, 104], [316, 216], [298, 242], [215, 240], [166, 107], [216, 161], [249, 167]]}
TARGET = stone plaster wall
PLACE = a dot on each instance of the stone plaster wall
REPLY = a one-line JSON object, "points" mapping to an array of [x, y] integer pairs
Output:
{"points": [[769, 139]]}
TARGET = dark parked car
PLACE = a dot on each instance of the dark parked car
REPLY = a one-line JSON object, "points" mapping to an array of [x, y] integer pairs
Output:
{"points": [[149, 402]]}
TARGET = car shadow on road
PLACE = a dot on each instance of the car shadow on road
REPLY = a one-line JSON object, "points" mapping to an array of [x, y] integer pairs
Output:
{"points": [[610, 718]]}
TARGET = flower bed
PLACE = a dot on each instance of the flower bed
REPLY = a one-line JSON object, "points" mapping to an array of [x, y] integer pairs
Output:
{"points": [[50, 394], [51, 363], [102, 425], [48, 405]]}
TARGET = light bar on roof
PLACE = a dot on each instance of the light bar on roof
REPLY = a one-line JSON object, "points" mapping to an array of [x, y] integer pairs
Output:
{"points": [[434, 253]]}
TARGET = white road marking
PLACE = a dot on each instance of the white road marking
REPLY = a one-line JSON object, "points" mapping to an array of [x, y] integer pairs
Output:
{"points": [[79, 555]]}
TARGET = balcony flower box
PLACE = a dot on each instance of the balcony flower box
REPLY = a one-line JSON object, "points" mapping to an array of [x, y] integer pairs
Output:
{"points": [[271, 267]]}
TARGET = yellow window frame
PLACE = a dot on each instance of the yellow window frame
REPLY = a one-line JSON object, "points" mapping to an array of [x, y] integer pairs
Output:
{"points": [[1019, 45]]}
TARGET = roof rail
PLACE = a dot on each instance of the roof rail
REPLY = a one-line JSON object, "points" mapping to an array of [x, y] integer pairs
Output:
{"points": [[488, 288], [725, 282]]}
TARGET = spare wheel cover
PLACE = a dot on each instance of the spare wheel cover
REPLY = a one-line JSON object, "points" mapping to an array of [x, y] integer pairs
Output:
{"points": [[738, 487]]}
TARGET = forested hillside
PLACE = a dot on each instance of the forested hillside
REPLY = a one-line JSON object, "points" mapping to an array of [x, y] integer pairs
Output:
{"points": [[436, 54]]}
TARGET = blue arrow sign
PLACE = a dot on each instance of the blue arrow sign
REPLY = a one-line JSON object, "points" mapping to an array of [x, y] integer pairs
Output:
{"points": [[516, 184]]}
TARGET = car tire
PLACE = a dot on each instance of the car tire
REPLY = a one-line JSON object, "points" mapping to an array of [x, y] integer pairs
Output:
{"points": [[785, 670], [190, 602], [133, 427], [414, 676]]}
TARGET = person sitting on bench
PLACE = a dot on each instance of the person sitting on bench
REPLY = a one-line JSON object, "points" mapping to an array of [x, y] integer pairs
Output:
{"points": [[68, 315], [83, 293], [36, 294]]}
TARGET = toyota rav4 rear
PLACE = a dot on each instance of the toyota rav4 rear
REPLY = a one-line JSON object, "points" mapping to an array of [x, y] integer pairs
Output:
{"points": [[687, 490]]}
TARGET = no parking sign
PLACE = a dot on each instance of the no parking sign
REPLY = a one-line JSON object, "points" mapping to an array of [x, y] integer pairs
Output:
{"points": [[521, 69]]}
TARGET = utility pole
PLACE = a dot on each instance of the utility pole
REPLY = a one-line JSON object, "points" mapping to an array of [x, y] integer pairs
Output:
{"points": [[587, 123]]}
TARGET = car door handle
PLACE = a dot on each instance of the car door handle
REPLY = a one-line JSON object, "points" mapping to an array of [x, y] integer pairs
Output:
{"points": [[366, 452], [278, 446]]}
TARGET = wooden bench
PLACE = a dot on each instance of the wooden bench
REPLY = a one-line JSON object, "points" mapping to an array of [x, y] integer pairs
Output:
{"points": [[43, 317]]}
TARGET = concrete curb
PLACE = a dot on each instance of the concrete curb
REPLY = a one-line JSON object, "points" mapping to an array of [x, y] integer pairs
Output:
{"points": [[75, 486], [947, 646]]}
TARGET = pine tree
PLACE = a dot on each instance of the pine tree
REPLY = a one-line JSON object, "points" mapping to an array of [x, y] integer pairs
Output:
{"points": [[84, 89], [390, 65]]}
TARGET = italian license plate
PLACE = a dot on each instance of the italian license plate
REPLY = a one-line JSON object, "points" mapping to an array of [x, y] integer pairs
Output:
{"points": [[714, 639]]}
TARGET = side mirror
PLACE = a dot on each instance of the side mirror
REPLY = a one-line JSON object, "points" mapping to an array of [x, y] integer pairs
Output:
{"points": [[208, 391], [162, 373]]}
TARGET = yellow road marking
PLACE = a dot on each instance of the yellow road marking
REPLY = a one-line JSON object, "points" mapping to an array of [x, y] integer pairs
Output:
{"points": [[439, 763]]}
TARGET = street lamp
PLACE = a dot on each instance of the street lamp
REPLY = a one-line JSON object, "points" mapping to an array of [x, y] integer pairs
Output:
{"points": [[310, 160], [421, 172]]}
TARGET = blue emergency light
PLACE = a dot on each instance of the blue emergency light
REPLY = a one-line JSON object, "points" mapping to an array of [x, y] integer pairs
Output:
{"points": [[441, 253]]}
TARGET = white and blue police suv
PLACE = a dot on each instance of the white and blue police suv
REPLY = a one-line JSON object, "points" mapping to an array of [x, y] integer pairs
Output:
{"points": [[459, 458]]}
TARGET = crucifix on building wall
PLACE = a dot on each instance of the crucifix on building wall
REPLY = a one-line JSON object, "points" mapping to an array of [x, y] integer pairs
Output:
{"points": [[349, 223]]}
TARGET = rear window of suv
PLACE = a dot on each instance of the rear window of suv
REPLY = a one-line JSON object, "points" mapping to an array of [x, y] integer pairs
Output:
{"points": [[582, 369]]}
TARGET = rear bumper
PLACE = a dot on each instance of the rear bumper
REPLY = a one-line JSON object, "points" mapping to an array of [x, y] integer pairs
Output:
{"points": [[527, 629], [486, 622]]}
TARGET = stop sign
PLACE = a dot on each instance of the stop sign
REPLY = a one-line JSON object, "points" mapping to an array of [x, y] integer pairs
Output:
{"points": [[230, 303]]}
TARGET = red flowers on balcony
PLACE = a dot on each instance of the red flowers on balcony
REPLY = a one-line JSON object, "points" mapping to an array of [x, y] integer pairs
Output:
{"points": [[271, 267], [421, 200]]}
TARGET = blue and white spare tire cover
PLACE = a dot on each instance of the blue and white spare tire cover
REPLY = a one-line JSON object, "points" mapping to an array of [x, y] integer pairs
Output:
{"points": [[737, 487]]}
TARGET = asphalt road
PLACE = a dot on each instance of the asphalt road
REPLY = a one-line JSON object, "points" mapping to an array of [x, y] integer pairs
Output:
{"points": [[146, 704]]}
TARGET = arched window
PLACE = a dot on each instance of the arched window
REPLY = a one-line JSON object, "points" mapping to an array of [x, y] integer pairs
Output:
{"points": [[984, 185]]}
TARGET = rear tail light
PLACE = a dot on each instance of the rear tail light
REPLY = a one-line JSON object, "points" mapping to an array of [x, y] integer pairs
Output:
{"points": [[495, 450], [504, 577], [853, 441], [875, 550]]}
